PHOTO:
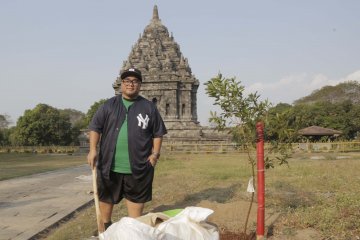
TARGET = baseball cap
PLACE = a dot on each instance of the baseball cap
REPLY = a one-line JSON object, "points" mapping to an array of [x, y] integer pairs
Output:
{"points": [[131, 72]]}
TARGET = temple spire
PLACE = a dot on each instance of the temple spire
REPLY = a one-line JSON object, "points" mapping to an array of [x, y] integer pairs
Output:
{"points": [[155, 14], [167, 75]]}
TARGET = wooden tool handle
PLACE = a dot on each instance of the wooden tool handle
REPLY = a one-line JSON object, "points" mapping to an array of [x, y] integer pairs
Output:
{"points": [[100, 224]]}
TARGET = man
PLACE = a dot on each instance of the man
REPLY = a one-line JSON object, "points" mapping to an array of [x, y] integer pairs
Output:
{"points": [[130, 131]]}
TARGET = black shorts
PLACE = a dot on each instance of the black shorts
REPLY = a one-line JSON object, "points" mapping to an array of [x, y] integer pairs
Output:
{"points": [[121, 186]]}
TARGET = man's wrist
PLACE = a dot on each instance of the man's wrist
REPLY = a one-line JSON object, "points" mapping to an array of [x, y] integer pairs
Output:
{"points": [[156, 154], [93, 150]]}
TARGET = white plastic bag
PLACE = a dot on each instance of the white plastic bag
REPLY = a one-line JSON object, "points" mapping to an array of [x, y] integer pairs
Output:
{"points": [[128, 229], [250, 187], [189, 224]]}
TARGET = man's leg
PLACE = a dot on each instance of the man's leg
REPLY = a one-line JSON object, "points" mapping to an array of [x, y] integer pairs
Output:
{"points": [[106, 211], [134, 209]]}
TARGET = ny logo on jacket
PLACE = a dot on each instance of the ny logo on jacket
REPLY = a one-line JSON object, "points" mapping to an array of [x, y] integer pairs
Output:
{"points": [[143, 121]]}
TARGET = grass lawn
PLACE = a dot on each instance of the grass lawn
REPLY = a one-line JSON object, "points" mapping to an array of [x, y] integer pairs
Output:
{"points": [[319, 194], [317, 191], [21, 164], [322, 194]]}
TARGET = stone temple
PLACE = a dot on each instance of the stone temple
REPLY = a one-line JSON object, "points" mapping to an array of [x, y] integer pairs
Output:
{"points": [[168, 81]]}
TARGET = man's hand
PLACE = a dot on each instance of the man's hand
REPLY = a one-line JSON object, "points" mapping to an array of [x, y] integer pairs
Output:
{"points": [[92, 158], [153, 158]]}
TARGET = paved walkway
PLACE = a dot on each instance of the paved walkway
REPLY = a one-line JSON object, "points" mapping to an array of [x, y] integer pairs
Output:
{"points": [[30, 204]]}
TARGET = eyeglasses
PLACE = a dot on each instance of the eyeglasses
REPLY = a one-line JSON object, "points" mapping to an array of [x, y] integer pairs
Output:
{"points": [[131, 82]]}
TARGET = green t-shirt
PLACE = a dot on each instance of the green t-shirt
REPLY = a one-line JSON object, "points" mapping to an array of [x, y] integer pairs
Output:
{"points": [[121, 163]]}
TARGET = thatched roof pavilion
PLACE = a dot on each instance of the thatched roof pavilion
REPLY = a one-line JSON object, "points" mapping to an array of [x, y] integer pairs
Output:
{"points": [[319, 131]]}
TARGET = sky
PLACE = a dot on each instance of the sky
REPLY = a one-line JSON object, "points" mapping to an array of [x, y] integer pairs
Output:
{"points": [[68, 53]]}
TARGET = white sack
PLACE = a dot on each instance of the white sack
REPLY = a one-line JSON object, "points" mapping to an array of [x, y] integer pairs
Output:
{"points": [[128, 229], [189, 224]]}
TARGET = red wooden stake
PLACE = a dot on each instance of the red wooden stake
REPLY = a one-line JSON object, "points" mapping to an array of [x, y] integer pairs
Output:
{"points": [[261, 181]]}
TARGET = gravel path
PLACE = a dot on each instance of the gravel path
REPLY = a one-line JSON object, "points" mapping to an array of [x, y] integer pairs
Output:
{"points": [[30, 204]]}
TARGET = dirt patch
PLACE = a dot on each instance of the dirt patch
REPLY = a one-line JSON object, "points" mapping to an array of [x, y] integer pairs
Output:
{"points": [[231, 216], [237, 236]]}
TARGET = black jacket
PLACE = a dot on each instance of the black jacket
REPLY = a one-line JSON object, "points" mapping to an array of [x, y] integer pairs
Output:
{"points": [[144, 123]]}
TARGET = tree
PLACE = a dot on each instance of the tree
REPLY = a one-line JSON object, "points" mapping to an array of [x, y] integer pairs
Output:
{"points": [[43, 125], [5, 136], [342, 116], [282, 126], [344, 91], [4, 121], [77, 120], [92, 110], [4, 130], [239, 116], [75, 116], [354, 122]]}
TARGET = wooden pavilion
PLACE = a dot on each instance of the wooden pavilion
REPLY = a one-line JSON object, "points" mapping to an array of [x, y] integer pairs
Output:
{"points": [[316, 132]]}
